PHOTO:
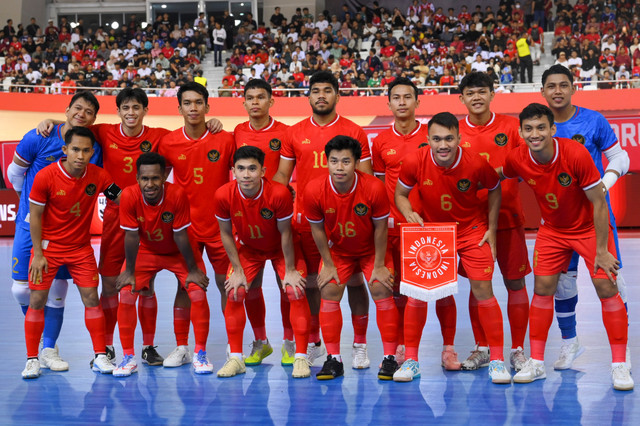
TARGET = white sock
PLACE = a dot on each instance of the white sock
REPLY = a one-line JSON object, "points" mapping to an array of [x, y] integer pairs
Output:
{"points": [[239, 355], [297, 355]]}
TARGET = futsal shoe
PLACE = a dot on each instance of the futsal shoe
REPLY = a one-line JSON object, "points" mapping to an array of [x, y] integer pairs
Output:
{"points": [[102, 364], [259, 351], [32, 369], [450, 359], [315, 351], [150, 356], [517, 358], [127, 367], [479, 358], [49, 358], [621, 377], [232, 367], [111, 355], [201, 364], [400, 354], [569, 351], [410, 370], [498, 373], [288, 352], [179, 356], [301, 368], [331, 369], [531, 370], [360, 356], [388, 368]]}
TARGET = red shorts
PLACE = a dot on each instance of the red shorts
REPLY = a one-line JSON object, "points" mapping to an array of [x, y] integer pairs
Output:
{"points": [[253, 262], [348, 266], [553, 251], [310, 251], [80, 262], [513, 258], [112, 243], [215, 252], [476, 262], [148, 264]]}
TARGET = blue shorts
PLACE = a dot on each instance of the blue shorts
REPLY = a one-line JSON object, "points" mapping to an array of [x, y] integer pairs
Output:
{"points": [[22, 253]]}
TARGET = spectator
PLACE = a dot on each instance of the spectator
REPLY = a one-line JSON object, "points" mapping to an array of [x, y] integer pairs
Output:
{"points": [[219, 36]]}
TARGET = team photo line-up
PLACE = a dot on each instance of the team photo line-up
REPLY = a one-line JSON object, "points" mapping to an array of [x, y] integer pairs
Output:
{"points": [[336, 228]]}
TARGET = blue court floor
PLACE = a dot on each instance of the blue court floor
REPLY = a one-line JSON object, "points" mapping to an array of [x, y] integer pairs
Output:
{"points": [[267, 395]]}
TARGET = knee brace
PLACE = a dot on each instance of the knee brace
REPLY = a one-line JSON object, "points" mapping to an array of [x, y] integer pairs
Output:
{"points": [[21, 292], [57, 293], [567, 286]]}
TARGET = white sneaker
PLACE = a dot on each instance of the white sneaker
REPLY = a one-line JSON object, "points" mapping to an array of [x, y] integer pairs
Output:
{"points": [[498, 373], [232, 367], [400, 354], [179, 356], [201, 363], [568, 353], [49, 358], [479, 358], [127, 367], [301, 368], [315, 351], [102, 364], [531, 370], [620, 375], [360, 356], [410, 370], [517, 358], [32, 369]]}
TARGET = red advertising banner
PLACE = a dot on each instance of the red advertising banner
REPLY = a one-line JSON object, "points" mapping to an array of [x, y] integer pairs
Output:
{"points": [[8, 210]]}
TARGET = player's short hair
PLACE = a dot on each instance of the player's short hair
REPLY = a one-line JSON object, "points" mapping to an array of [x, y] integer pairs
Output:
{"points": [[89, 97], [135, 94], [249, 152], [324, 77], [445, 119], [78, 131], [536, 110], [151, 158], [403, 81], [341, 142], [476, 79], [192, 86], [257, 83], [557, 69]]}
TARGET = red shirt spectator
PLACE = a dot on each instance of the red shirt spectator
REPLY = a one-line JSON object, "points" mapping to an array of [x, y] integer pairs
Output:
{"points": [[230, 79], [299, 77], [167, 51], [249, 59], [562, 29], [388, 51]]}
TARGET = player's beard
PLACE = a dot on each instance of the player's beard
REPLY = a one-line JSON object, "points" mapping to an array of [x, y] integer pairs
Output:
{"points": [[328, 111]]}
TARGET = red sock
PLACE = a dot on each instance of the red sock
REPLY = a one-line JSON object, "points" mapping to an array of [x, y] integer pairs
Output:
{"points": [[285, 311], [401, 302], [360, 324], [540, 319], [94, 320], [447, 313], [148, 314], [491, 319], [181, 322], [476, 325], [110, 308], [331, 324], [300, 317], [33, 328], [518, 313], [199, 316], [387, 319], [314, 329], [235, 320], [615, 322], [127, 319], [415, 317], [256, 312]]}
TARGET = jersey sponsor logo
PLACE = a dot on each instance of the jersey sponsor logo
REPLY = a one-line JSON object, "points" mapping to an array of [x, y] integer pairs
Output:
{"points": [[140, 219], [578, 138], [306, 142], [61, 192], [266, 213], [391, 152], [113, 146], [501, 139], [91, 189], [51, 158], [275, 144], [360, 209], [423, 144], [167, 217], [464, 185], [465, 144], [145, 146], [531, 182], [330, 210], [428, 182], [182, 157], [564, 179], [213, 155], [238, 214]]}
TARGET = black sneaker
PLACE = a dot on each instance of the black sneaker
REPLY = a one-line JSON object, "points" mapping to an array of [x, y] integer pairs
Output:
{"points": [[331, 369], [111, 356], [151, 356], [389, 366]]}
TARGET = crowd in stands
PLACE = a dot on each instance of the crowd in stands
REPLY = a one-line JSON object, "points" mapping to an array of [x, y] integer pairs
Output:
{"points": [[366, 49]]}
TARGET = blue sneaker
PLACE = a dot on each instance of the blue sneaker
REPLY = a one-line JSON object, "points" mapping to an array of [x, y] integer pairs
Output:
{"points": [[201, 363], [410, 370]]}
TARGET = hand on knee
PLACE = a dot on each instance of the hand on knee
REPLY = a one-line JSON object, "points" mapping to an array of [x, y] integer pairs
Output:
{"points": [[238, 295], [291, 293]]}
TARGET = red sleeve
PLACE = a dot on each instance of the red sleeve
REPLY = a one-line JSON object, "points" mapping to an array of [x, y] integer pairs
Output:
{"points": [[488, 176], [380, 207], [408, 172], [376, 157], [232, 148], [128, 220], [584, 168], [181, 218], [40, 188], [508, 169], [107, 180], [312, 207], [364, 144], [286, 150], [221, 205], [282, 202]]}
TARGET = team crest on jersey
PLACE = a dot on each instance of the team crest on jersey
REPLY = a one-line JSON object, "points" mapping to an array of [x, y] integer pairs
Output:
{"points": [[167, 217], [464, 185], [145, 146], [275, 144], [564, 179], [266, 213], [578, 138], [213, 155], [361, 209], [90, 189], [501, 139], [422, 145]]}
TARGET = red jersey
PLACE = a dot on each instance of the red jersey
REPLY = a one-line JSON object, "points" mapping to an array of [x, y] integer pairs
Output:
{"points": [[389, 148], [494, 141], [68, 201], [305, 143], [255, 220], [450, 194], [155, 223], [348, 218], [200, 167], [559, 185], [268, 139]]}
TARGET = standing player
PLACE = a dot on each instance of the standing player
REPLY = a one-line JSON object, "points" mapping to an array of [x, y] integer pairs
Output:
{"points": [[404, 138], [33, 153], [62, 201], [571, 197], [155, 217], [260, 212], [592, 130], [201, 162], [447, 177], [350, 209], [493, 136], [304, 148]]}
